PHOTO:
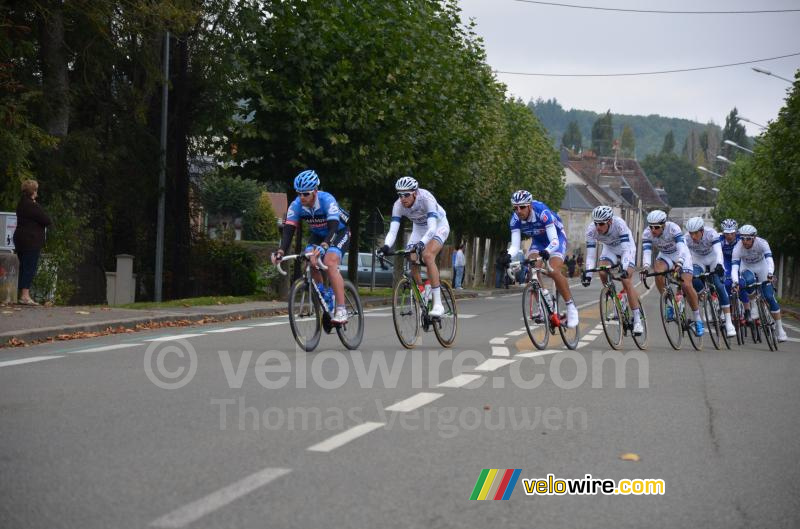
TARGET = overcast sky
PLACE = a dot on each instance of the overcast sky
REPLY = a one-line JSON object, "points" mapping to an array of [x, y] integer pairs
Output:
{"points": [[524, 37]]}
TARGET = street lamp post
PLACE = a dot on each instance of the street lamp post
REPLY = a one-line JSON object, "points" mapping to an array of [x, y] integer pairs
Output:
{"points": [[723, 159], [767, 72], [734, 144], [759, 125], [709, 171]]}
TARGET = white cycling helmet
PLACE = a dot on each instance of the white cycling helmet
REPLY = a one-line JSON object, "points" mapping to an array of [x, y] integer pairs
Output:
{"points": [[749, 230], [521, 198], [406, 183], [729, 226], [602, 213], [656, 217], [695, 224]]}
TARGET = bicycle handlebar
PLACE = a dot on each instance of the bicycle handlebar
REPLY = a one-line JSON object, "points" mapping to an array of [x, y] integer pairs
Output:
{"points": [[664, 273], [301, 256]]}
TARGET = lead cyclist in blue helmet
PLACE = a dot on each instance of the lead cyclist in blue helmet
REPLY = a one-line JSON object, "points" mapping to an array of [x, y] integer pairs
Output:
{"points": [[534, 219], [728, 240], [330, 236]]}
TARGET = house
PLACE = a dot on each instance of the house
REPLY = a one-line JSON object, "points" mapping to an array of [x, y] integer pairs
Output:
{"points": [[680, 215]]}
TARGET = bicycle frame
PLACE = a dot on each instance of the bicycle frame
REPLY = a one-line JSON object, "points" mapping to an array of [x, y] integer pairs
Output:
{"points": [[308, 277]]}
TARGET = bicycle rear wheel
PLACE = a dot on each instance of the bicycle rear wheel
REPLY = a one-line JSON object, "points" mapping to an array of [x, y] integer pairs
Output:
{"points": [[352, 332], [610, 317], [446, 326], [535, 315], [406, 313], [711, 313], [641, 341], [672, 326], [304, 315], [767, 326], [736, 318], [691, 329], [569, 335]]}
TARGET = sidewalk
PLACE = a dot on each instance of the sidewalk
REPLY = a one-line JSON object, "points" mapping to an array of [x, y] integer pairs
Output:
{"points": [[23, 325]]}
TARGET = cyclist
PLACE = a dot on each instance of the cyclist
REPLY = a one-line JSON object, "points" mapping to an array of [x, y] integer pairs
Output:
{"points": [[667, 237], [428, 235], [618, 246], [752, 258], [330, 236], [728, 241], [704, 245], [534, 219]]}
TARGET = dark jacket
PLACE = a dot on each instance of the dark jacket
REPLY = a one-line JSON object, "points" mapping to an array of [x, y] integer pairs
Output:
{"points": [[31, 222]]}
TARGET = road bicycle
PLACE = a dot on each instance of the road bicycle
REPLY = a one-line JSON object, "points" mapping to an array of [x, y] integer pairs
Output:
{"points": [[615, 312], [411, 306], [309, 314], [676, 324], [541, 310], [708, 297], [764, 323]]}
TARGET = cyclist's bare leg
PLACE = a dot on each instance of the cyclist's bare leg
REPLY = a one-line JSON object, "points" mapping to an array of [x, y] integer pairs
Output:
{"points": [[658, 267], [415, 269], [603, 275], [558, 278], [689, 291], [331, 260], [432, 249], [633, 296]]}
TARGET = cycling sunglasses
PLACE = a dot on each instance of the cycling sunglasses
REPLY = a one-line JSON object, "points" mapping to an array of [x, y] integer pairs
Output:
{"points": [[600, 223], [747, 237], [521, 207], [305, 193], [656, 226], [405, 194]]}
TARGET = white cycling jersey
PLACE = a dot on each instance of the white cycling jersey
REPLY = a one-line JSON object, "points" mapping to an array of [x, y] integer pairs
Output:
{"points": [[708, 250], [425, 212], [670, 244], [757, 259], [617, 244]]}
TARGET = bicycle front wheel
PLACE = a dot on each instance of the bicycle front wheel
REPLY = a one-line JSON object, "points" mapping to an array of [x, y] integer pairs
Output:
{"points": [[352, 332], [711, 313], [535, 316], [767, 325], [610, 317], [670, 318], [691, 328], [641, 340], [569, 335], [446, 326], [304, 315], [406, 313]]}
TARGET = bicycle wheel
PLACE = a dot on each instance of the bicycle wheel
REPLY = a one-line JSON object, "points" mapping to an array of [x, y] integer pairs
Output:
{"points": [[446, 326], [688, 325], [569, 335], [766, 324], [352, 332], [641, 341], [672, 326], [534, 313], [406, 313], [736, 315], [711, 314], [304, 315], [611, 317]]}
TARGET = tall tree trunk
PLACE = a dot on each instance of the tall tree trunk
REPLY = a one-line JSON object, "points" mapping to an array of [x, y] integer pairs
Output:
{"points": [[355, 234], [55, 81], [180, 168], [478, 279], [489, 279], [469, 259]]}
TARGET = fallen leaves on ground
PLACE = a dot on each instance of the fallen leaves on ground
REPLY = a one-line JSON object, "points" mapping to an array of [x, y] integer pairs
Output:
{"points": [[85, 312], [629, 457]]}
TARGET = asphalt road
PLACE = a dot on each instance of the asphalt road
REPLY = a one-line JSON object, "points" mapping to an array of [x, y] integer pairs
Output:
{"points": [[260, 435]]}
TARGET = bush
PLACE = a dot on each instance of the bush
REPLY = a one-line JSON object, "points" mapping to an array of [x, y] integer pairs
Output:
{"points": [[223, 268], [260, 222]]}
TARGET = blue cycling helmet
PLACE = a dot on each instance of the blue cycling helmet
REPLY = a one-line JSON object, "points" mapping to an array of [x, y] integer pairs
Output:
{"points": [[521, 198], [306, 181], [729, 226]]}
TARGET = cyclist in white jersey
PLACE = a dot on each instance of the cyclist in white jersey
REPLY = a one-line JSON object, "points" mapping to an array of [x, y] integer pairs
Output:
{"points": [[752, 260], [618, 247], [428, 234], [673, 253], [706, 249]]}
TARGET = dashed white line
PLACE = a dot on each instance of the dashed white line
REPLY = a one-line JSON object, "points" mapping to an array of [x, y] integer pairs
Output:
{"points": [[106, 348], [29, 360], [595, 331], [493, 363], [230, 329], [417, 401], [270, 324], [332, 443], [498, 341], [515, 333], [500, 351], [537, 353], [197, 509], [467, 316], [174, 337], [459, 381]]}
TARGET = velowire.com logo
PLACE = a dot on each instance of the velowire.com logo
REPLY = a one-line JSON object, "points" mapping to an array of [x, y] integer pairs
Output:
{"points": [[495, 484]]}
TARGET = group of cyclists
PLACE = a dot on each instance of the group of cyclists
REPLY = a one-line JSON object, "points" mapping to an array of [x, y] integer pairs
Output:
{"points": [[737, 256]]}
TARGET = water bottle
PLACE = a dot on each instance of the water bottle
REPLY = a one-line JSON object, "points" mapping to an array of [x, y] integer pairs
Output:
{"points": [[427, 295], [547, 298], [623, 299], [328, 296]]}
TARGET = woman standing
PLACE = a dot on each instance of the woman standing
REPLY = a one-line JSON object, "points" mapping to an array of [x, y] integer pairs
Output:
{"points": [[29, 237]]}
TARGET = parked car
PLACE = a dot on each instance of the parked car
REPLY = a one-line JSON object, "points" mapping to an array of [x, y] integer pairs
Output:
{"points": [[384, 272]]}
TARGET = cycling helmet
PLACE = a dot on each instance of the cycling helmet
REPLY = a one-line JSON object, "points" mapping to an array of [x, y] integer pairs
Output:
{"points": [[406, 183], [521, 198], [749, 230], [729, 226], [656, 217], [695, 224], [306, 181], [602, 213]]}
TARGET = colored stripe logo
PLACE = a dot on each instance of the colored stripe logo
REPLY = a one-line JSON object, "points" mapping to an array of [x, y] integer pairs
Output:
{"points": [[495, 484]]}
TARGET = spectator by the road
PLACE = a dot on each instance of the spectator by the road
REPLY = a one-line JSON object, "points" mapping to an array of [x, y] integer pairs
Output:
{"points": [[29, 238], [571, 262], [580, 262], [501, 265], [459, 264]]}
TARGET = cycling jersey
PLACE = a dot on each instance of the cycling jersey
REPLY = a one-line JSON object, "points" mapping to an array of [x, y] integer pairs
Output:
{"points": [[543, 226], [727, 252], [425, 213], [671, 245], [757, 259], [617, 244], [325, 209], [707, 251]]}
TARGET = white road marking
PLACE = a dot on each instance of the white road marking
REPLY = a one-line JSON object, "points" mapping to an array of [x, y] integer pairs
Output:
{"points": [[106, 348], [489, 297], [377, 315], [582, 344], [500, 351], [174, 337], [537, 353], [792, 339], [197, 509], [417, 401], [595, 331], [345, 437], [230, 329], [459, 381], [493, 363], [270, 324], [515, 333], [792, 327], [466, 316], [497, 341], [377, 309], [29, 360]]}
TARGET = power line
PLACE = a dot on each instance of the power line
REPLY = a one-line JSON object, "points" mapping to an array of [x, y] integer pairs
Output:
{"points": [[647, 73], [660, 11]]}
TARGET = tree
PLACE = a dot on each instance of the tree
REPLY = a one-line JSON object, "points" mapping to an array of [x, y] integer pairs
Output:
{"points": [[669, 143], [627, 142], [678, 176], [735, 132], [603, 135], [572, 138]]}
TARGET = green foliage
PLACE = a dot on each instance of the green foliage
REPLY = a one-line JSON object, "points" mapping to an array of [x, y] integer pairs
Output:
{"points": [[679, 178], [223, 268], [572, 138], [669, 144], [735, 132], [229, 195], [603, 135], [628, 142], [260, 223]]}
